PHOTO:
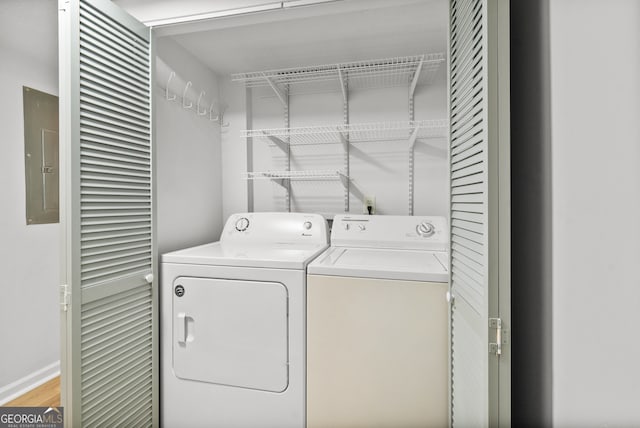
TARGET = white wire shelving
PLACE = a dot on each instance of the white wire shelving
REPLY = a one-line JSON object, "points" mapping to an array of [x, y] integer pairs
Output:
{"points": [[359, 74], [408, 71], [355, 133], [283, 177], [295, 175]]}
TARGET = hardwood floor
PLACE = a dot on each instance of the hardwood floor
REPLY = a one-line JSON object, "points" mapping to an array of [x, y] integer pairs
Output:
{"points": [[47, 394]]}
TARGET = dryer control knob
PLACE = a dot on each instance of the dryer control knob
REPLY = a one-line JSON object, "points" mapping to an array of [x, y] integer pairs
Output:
{"points": [[425, 229], [242, 224], [308, 225], [346, 226], [362, 227]]}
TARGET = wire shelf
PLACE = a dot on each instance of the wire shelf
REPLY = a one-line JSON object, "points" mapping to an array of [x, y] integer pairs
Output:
{"points": [[309, 175], [355, 133], [358, 74]]}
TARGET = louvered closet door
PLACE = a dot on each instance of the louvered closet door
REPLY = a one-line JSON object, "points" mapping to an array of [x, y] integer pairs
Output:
{"points": [[109, 359], [479, 120]]}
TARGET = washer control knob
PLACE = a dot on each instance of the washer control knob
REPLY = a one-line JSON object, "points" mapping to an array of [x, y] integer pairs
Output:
{"points": [[362, 227], [242, 224], [346, 226], [425, 229], [308, 225]]}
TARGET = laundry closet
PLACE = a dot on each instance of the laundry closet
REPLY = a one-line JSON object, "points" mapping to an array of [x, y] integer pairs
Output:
{"points": [[326, 109], [341, 107]]}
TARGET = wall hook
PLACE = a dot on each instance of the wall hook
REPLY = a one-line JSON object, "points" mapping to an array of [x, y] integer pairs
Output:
{"points": [[211, 118], [203, 112], [168, 95], [218, 109], [184, 96], [223, 109]]}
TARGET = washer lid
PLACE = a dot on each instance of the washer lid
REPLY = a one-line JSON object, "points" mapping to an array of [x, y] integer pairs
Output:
{"points": [[277, 255], [407, 265]]}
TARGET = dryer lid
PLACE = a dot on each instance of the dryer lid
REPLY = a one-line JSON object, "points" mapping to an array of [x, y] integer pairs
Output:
{"points": [[277, 256]]}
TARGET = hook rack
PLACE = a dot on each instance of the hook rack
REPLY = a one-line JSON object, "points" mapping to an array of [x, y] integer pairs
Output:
{"points": [[216, 110], [184, 96], [167, 94]]}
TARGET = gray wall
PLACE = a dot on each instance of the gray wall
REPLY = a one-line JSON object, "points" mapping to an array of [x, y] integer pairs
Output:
{"points": [[595, 129], [188, 158], [531, 215], [29, 261], [576, 203]]}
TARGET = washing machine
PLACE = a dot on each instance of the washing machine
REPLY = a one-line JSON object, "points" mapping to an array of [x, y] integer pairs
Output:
{"points": [[233, 324], [377, 324]]}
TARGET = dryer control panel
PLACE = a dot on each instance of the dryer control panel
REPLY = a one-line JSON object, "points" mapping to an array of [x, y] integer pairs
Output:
{"points": [[283, 228], [388, 231]]}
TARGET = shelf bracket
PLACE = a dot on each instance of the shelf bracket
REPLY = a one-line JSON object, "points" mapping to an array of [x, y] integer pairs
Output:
{"points": [[342, 85], [416, 76], [277, 89], [343, 178], [413, 137], [277, 141], [284, 182], [343, 139]]}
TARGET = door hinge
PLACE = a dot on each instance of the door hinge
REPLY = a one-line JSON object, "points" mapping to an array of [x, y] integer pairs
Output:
{"points": [[64, 296], [501, 337]]}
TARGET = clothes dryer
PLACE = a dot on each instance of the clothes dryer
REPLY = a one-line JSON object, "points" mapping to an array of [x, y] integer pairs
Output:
{"points": [[233, 324], [377, 324]]}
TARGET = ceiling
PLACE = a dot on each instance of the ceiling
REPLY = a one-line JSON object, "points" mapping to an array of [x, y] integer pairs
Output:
{"points": [[281, 39], [336, 32]]}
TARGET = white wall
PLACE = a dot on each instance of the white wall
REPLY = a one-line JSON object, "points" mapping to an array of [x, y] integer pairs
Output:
{"points": [[29, 261], [188, 158], [234, 150], [595, 104]]}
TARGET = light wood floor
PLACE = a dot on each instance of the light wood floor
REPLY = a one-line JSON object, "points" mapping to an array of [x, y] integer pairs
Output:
{"points": [[47, 394]]}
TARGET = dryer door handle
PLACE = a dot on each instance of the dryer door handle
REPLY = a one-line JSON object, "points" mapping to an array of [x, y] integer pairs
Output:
{"points": [[184, 328], [181, 328]]}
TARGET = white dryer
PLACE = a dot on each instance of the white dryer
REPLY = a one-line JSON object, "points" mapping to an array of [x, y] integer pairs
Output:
{"points": [[377, 324], [233, 324]]}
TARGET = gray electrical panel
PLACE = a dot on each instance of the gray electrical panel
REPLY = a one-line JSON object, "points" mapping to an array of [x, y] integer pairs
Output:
{"points": [[41, 156]]}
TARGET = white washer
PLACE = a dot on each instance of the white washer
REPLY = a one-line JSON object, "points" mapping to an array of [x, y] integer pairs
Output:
{"points": [[233, 324], [377, 324]]}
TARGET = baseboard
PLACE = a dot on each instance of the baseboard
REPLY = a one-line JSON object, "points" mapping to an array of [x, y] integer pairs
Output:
{"points": [[29, 382]]}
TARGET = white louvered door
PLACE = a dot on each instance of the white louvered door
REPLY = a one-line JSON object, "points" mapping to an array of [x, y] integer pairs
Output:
{"points": [[479, 212], [109, 322]]}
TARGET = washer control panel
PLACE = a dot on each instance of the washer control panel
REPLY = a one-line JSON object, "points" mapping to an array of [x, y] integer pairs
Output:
{"points": [[382, 231], [425, 229]]}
